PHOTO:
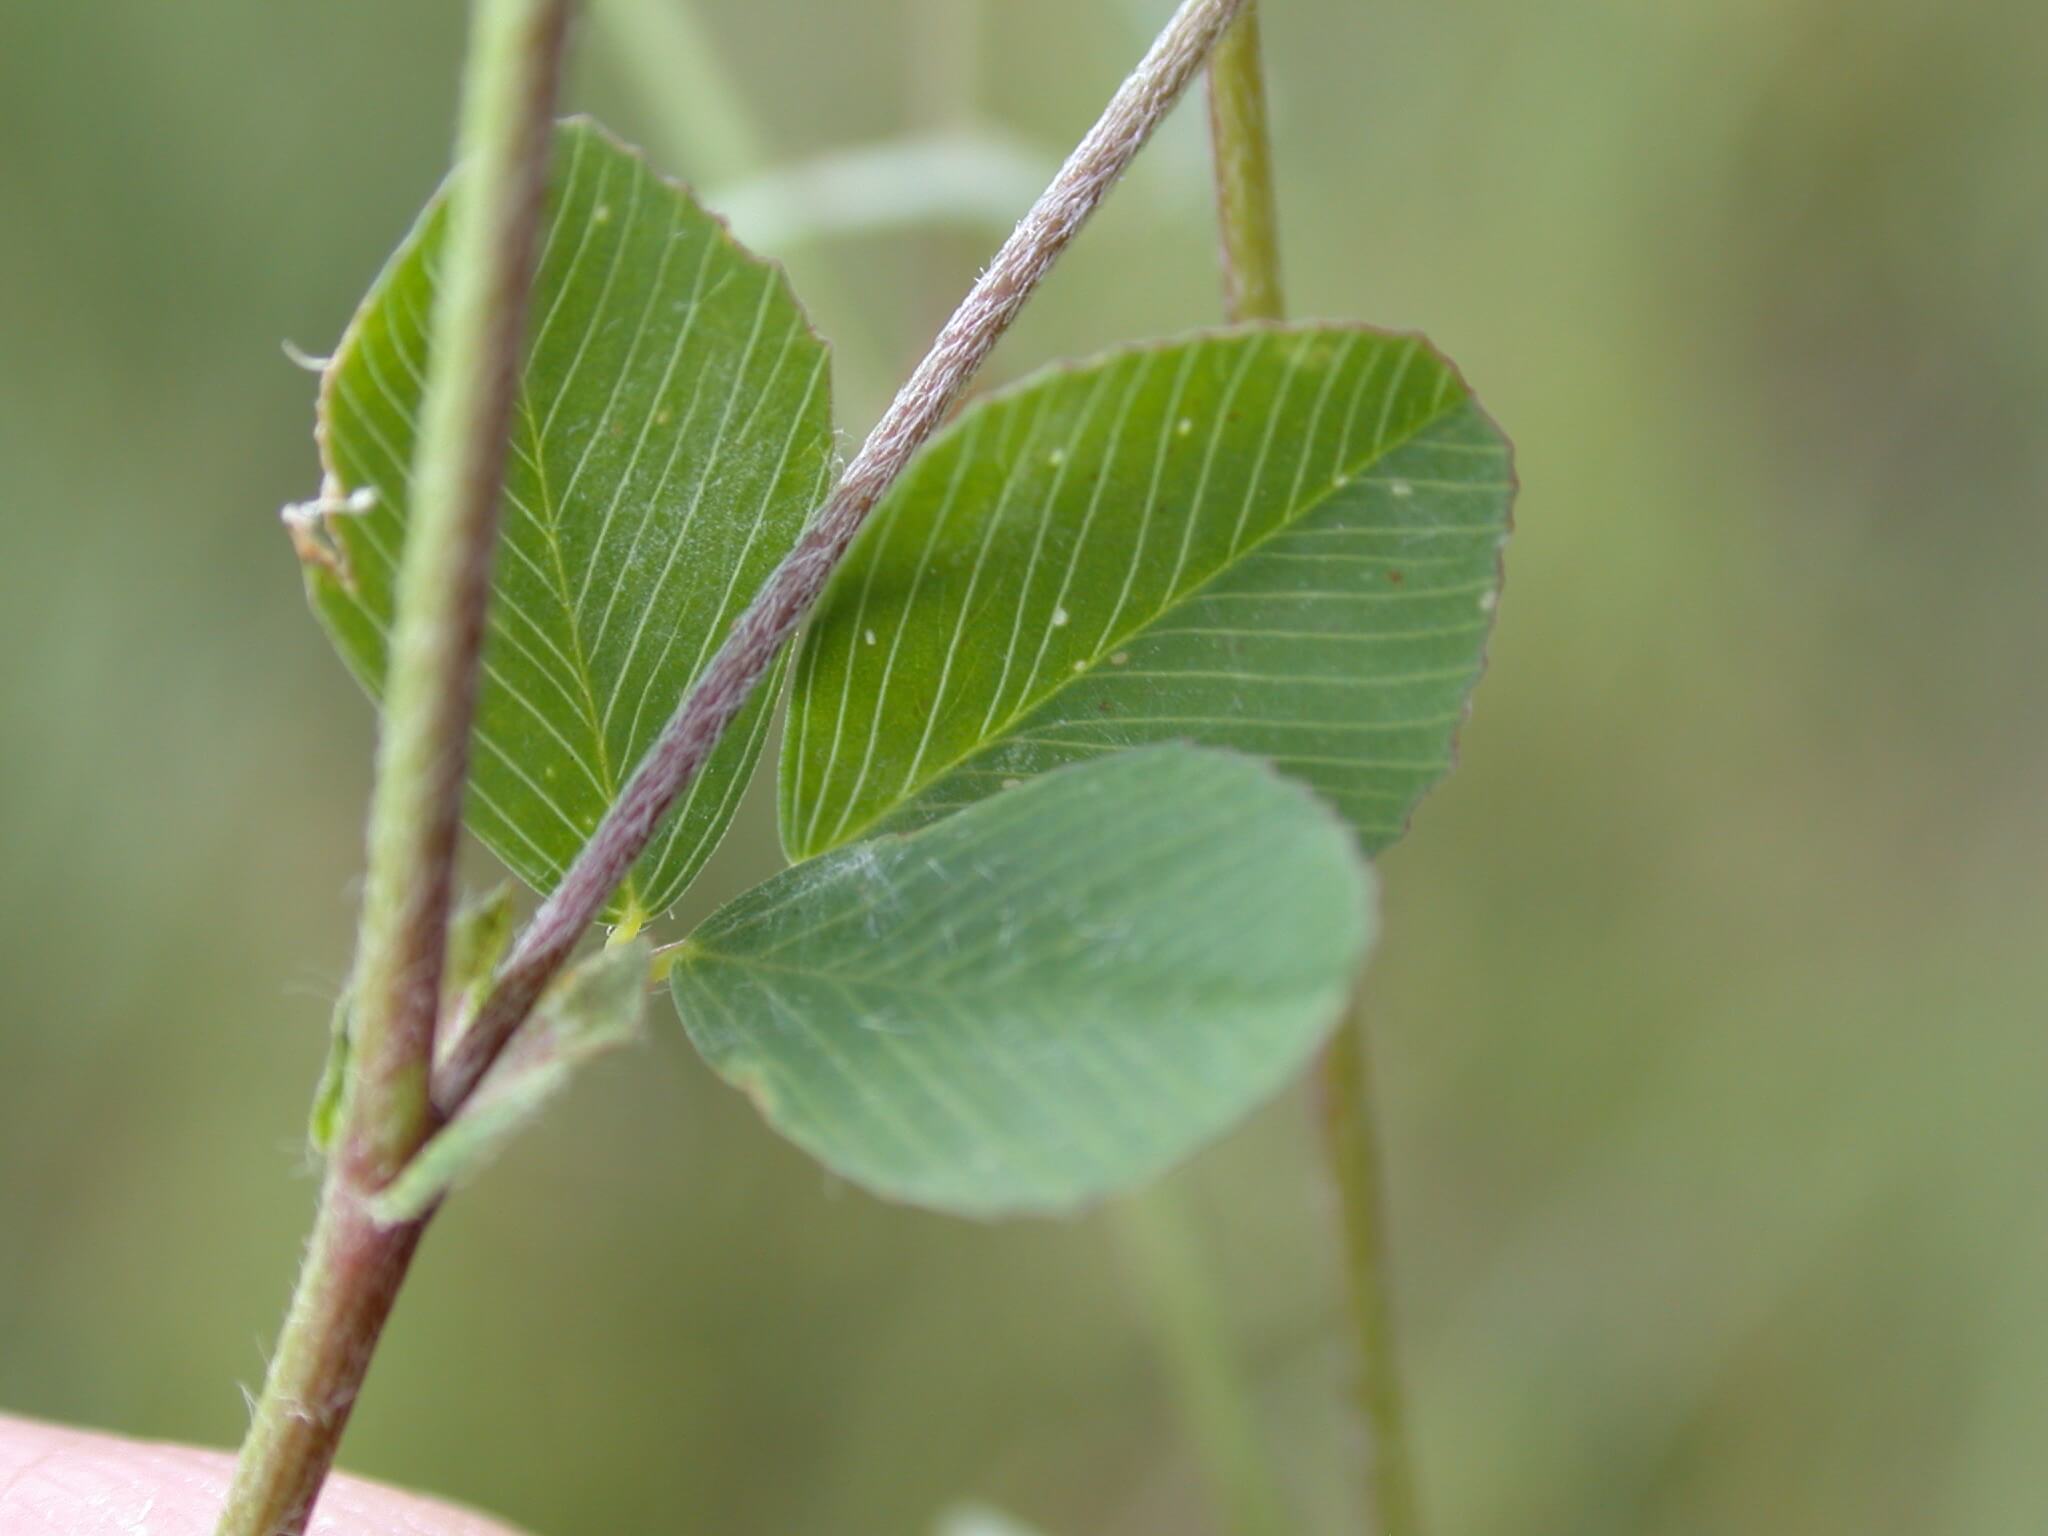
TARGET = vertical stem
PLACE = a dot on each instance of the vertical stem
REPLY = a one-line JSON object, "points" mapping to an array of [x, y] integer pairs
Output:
{"points": [[941, 96], [444, 577], [669, 52], [1181, 1307], [944, 88], [1247, 218], [1355, 1160], [1186, 1317], [1249, 228], [353, 1266]]}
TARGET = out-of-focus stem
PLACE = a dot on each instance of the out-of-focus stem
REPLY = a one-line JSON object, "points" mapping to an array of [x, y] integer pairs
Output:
{"points": [[1188, 1322], [719, 142], [669, 53], [1248, 225], [1247, 217], [1171, 1276], [1391, 1503]]}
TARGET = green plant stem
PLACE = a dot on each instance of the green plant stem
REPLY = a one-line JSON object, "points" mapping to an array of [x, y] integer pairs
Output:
{"points": [[1187, 1318], [1391, 1504], [444, 578], [1162, 1249], [1247, 217], [354, 1267], [345, 1292], [1188, 1321], [1247, 221]]}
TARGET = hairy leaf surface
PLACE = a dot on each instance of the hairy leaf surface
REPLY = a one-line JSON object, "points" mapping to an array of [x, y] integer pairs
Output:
{"points": [[671, 434], [1047, 998], [1283, 540]]}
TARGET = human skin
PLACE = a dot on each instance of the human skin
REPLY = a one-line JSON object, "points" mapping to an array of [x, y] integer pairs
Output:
{"points": [[68, 1482]]}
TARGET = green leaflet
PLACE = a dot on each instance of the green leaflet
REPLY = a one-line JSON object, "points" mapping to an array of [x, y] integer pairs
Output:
{"points": [[1051, 996], [1283, 540], [673, 431], [595, 1007]]}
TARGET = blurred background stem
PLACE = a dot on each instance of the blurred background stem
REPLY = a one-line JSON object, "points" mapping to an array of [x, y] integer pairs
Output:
{"points": [[1247, 218], [675, 65], [1161, 1245], [1247, 215], [1353, 1146], [1158, 1236]]}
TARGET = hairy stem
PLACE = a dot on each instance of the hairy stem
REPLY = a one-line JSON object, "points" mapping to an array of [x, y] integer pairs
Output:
{"points": [[1246, 216], [1249, 227], [750, 649], [444, 577], [1391, 1504], [353, 1267], [345, 1293]]}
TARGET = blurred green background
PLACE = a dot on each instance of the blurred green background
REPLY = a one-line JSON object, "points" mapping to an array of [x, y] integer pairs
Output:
{"points": [[1711, 1010]]}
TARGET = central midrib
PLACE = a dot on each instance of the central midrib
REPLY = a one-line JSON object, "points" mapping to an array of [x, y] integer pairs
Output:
{"points": [[608, 781]]}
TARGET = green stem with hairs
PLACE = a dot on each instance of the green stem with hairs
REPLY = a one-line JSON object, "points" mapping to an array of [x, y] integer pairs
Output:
{"points": [[1248, 224], [354, 1266]]}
